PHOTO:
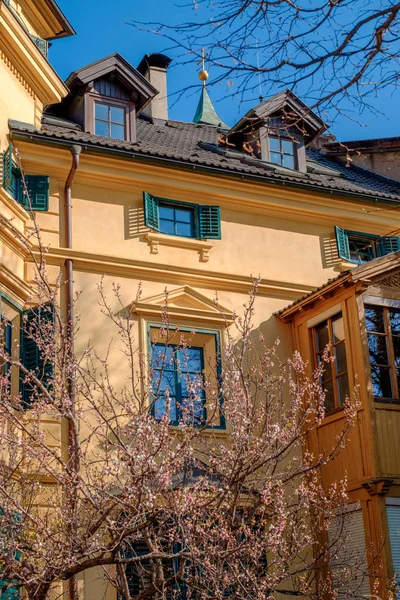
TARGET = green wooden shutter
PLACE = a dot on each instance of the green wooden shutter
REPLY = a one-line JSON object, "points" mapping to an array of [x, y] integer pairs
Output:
{"points": [[38, 190], [342, 242], [387, 244], [8, 170], [151, 218], [32, 358], [209, 222]]}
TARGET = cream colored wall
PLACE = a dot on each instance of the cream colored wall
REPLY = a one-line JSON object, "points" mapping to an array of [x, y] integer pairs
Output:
{"points": [[16, 100]]}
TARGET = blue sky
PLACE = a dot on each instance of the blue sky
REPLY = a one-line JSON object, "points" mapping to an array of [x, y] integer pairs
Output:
{"points": [[102, 29]]}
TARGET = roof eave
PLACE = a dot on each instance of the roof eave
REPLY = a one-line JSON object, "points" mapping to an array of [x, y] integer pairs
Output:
{"points": [[34, 137]]}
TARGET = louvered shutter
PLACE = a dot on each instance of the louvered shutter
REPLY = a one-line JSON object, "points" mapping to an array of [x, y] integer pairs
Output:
{"points": [[342, 242], [349, 546], [387, 244], [151, 217], [32, 358], [209, 222], [38, 190], [8, 170], [393, 518]]}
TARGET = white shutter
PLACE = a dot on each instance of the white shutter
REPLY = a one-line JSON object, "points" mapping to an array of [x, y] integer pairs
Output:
{"points": [[347, 536], [393, 518]]}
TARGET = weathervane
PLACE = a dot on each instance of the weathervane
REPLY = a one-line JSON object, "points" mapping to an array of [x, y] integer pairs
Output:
{"points": [[203, 75]]}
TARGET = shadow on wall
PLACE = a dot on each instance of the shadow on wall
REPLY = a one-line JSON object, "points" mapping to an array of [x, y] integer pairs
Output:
{"points": [[134, 226], [329, 252]]}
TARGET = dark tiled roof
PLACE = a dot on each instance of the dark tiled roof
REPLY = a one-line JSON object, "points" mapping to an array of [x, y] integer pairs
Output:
{"points": [[197, 144]]}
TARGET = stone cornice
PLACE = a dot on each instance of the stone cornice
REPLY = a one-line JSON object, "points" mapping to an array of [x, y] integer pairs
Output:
{"points": [[13, 285], [25, 57], [103, 264], [255, 198]]}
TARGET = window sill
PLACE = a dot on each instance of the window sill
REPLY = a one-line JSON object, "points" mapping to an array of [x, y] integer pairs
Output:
{"points": [[345, 265], [12, 204], [202, 247]]}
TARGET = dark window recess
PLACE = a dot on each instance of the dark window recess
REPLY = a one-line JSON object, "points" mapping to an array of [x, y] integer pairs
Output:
{"points": [[9, 525], [357, 247], [383, 332], [335, 380], [6, 340], [42, 45], [282, 152], [139, 575], [179, 218], [179, 373], [37, 322], [37, 185], [109, 121]]}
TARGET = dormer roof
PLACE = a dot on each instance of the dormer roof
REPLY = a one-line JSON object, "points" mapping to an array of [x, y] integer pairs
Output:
{"points": [[293, 112], [117, 67]]}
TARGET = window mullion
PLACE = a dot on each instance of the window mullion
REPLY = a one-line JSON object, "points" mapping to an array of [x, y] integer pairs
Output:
{"points": [[390, 351]]}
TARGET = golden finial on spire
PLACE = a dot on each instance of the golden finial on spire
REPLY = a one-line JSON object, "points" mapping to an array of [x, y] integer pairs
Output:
{"points": [[203, 75]]}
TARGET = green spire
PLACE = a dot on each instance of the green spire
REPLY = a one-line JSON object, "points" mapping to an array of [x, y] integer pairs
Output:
{"points": [[206, 113]]}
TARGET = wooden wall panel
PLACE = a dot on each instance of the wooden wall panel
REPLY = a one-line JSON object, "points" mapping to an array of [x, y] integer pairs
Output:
{"points": [[388, 440]]}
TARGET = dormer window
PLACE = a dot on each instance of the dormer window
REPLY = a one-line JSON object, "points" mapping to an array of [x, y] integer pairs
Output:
{"points": [[282, 152], [110, 120]]}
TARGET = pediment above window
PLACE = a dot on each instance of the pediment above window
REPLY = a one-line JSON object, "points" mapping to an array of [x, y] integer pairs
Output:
{"points": [[113, 76], [184, 303]]}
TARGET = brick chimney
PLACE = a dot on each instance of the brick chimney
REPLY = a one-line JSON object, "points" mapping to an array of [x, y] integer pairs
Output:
{"points": [[154, 68]]}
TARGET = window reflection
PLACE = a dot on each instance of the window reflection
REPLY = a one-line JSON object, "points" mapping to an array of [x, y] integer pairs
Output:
{"points": [[383, 333], [335, 379]]}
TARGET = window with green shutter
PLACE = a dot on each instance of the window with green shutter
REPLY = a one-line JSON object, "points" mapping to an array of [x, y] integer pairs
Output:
{"points": [[35, 196], [38, 324], [9, 528], [184, 219], [358, 247]]}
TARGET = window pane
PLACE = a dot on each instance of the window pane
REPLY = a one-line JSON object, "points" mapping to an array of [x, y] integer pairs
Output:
{"points": [[184, 216], [117, 115], [343, 389], [274, 144], [327, 371], [193, 410], [101, 111], [396, 348], [340, 354], [338, 329], [117, 131], [163, 357], [184, 229], [322, 334], [191, 359], [287, 146], [276, 158], [374, 319], [167, 227], [163, 381], [101, 128], [288, 161], [192, 385], [329, 398], [381, 382], [160, 407], [395, 321], [377, 349], [166, 212]]}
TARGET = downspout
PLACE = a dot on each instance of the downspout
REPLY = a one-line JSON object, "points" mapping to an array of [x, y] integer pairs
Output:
{"points": [[69, 303]]}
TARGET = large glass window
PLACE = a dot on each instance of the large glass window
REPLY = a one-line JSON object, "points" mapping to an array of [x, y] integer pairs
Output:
{"points": [[281, 152], [109, 120], [335, 380], [178, 375], [383, 332], [176, 220]]}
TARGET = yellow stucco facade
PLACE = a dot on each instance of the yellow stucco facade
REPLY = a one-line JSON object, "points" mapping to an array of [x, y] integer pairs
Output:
{"points": [[281, 233]]}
